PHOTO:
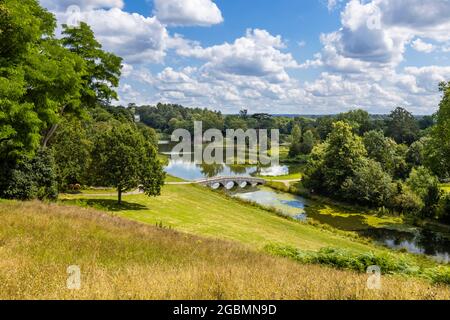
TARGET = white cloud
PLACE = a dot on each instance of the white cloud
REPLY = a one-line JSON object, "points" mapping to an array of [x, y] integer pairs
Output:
{"points": [[257, 54], [421, 46], [136, 38], [188, 12], [359, 65], [375, 33]]}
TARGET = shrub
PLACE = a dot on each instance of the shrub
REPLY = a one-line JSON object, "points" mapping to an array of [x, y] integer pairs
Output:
{"points": [[406, 201], [369, 185], [30, 178], [343, 259]]}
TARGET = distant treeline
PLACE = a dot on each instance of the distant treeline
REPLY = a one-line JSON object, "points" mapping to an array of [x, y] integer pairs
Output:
{"points": [[400, 125]]}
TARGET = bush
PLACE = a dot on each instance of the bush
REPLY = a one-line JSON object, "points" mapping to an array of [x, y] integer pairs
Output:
{"points": [[343, 259], [439, 275], [369, 185], [407, 202], [30, 178]]}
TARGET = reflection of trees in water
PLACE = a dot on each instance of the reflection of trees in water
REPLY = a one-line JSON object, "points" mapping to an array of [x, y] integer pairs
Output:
{"points": [[238, 169], [430, 242], [211, 170]]}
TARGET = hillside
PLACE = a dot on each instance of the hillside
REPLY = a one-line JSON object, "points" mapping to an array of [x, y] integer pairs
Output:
{"points": [[121, 259]]}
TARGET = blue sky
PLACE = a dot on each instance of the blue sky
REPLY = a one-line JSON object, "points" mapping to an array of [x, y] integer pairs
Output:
{"points": [[284, 56]]}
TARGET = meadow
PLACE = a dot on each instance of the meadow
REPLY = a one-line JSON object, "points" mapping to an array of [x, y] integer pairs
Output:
{"points": [[122, 259]]}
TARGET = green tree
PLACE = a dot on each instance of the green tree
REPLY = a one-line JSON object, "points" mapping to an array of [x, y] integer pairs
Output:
{"points": [[369, 185], [402, 126], [30, 178], [38, 77], [416, 152], [426, 186], [296, 137], [381, 149], [437, 151], [343, 153], [103, 68], [308, 143], [100, 77], [358, 119], [324, 126], [123, 159], [420, 180], [71, 149]]}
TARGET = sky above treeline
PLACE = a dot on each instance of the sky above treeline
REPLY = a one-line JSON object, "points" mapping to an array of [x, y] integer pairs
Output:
{"points": [[280, 57]]}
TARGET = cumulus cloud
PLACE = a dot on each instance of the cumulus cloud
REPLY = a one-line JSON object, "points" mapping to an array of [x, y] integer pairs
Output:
{"points": [[358, 66], [188, 12], [136, 38], [422, 46], [132, 36], [257, 54], [376, 32]]}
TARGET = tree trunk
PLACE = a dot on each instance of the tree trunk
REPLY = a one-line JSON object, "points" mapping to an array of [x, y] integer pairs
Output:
{"points": [[49, 134], [52, 130], [120, 195]]}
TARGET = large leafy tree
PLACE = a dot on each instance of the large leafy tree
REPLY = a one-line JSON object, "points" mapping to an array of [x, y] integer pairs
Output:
{"points": [[101, 76], [103, 68], [296, 136], [71, 148], [23, 25], [358, 119], [342, 154], [437, 149], [381, 149], [402, 126], [123, 159], [38, 76]]}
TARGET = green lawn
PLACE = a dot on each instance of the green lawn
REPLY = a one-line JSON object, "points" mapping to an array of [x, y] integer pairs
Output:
{"points": [[197, 210], [170, 178], [294, 176]]}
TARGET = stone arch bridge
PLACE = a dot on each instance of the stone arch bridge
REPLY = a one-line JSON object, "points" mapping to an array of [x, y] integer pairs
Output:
{"points": [[231, 182]]}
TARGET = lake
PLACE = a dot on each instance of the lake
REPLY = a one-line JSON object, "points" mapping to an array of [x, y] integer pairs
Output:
{"points": [[415, 240]]}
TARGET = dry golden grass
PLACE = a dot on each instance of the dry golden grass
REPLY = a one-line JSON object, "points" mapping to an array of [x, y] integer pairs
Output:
{"points": [[120, 259]]}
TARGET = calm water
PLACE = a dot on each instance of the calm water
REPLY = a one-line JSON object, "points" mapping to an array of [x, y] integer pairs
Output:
{"points": [[186, 169], [417, 241]]}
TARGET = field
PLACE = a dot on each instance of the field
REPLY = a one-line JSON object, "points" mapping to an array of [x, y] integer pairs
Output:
{"points": [[121, 259], [197, 210]]}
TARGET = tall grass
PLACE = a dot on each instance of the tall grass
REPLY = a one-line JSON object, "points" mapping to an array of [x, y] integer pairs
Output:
{"points": [[121, 259]]}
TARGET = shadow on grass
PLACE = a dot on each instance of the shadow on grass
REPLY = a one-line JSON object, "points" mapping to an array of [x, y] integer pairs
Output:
{"points": [[107, 205]]}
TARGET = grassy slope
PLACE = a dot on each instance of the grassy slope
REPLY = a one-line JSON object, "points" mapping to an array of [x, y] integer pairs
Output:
{"points": [[121, 259], [197, 210]]}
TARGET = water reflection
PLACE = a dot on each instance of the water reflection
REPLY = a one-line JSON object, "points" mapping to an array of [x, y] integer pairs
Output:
{"points": [[420, 242], [190, 171], [285, 202], [186, 168]]}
